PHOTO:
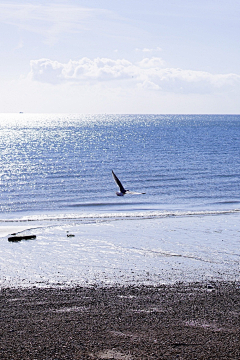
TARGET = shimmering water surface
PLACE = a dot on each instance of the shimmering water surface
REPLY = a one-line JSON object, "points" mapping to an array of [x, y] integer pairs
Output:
{"points": [[56, 172]]}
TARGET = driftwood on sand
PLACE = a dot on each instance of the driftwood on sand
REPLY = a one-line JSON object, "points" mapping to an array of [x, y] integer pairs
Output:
{"points": [[16, 238]]}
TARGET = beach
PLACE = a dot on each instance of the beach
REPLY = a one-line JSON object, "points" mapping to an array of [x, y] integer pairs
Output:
{"points": [[99, 276], [126, 289], [181, 321]]}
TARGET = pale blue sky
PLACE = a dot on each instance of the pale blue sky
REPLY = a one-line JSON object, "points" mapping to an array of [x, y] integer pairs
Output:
{"points": [[135, 56]]}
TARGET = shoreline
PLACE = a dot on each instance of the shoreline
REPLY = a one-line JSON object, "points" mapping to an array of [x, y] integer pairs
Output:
{"points": [[149, 252], [181, 321]]}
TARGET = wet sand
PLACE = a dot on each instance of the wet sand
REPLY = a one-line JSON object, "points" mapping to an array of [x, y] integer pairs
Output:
{"points": [[182, 321]]}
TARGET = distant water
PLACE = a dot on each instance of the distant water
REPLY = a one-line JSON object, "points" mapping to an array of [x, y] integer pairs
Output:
{"points": [[56, 181], [60, 165]]}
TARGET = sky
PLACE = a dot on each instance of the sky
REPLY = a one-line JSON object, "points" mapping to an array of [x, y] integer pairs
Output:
{"points": [[120, 56]]}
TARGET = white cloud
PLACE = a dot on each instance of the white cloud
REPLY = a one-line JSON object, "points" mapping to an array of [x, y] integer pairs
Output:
{"points": [[149, 73], [83, 70], [154, 62], [149, 85]]}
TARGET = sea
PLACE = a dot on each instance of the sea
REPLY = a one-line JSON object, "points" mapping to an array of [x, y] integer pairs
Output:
{"points": [[56, 183]]}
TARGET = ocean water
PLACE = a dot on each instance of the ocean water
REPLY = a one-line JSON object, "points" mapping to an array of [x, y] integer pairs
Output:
{"points": [[56, 177]]}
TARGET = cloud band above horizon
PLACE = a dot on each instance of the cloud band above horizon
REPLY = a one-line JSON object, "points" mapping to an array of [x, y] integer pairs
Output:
{"points": [[150, 73]]}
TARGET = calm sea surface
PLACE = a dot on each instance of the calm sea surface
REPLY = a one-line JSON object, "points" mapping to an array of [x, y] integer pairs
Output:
{"points": [[61, 164], [56, 181]]}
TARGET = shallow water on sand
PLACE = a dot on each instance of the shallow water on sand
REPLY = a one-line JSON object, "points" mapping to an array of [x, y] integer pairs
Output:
{"points": [[147, 251]]}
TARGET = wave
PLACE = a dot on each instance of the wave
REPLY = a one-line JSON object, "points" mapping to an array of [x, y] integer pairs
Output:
{"points": [[103, 204], [227, 202], [161, 253], [96, 217]]}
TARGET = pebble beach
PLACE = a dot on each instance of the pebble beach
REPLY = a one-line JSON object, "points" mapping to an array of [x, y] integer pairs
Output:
{"points": [[181, 321]]}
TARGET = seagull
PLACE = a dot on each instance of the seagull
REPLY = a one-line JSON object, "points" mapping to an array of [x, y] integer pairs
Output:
{"points": [[122, 191]]}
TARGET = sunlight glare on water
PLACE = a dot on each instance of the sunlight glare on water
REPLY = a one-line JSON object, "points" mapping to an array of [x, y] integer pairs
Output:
{"points": [[52, 162], [56, 179]]}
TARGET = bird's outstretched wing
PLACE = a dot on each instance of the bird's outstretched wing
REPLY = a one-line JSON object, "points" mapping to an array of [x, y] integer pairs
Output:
{"points": [[118, 182], [135, 193]]}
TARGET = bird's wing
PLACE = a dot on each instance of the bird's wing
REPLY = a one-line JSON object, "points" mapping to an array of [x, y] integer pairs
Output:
{"points": [[135, 193], [118, 182]]}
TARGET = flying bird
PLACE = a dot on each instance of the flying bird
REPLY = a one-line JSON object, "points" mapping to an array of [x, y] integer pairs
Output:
{"points": [[122, 191]]}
